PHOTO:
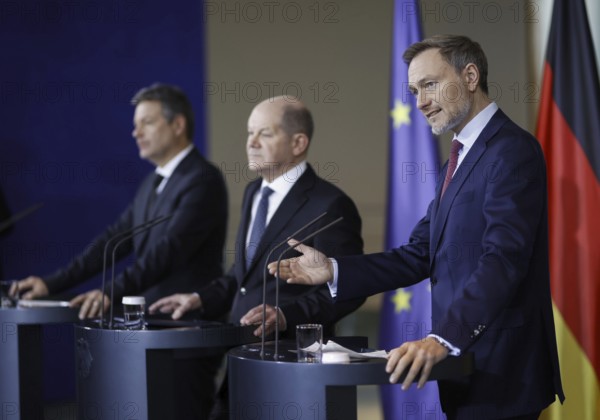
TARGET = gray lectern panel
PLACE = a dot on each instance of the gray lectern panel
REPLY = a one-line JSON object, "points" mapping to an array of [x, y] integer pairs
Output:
{"points": [[21, 358], [113, 366]]}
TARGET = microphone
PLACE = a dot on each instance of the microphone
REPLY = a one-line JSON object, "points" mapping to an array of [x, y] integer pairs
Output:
{"points": [[110, 241], [7, 223], [264, 285], [150, 225], [301, 242]]}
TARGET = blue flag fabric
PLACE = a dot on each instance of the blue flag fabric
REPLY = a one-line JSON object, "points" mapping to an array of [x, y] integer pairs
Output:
{"points": [[413, 172]]}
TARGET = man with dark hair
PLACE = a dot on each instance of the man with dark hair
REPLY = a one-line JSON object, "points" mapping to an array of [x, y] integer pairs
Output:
{"points": [[174, 102], [483, 243], [287, 196], [180, 254]]}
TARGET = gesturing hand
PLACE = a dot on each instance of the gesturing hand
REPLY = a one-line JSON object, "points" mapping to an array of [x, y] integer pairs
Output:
{"points": [[312, 268]]}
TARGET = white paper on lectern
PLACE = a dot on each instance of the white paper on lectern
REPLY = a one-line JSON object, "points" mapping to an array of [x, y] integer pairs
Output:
{"points": [[332, 346], [26, 303]]}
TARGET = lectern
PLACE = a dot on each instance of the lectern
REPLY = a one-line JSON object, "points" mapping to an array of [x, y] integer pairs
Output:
{"points": [[116, 369], [283, 388], [21, 358]]}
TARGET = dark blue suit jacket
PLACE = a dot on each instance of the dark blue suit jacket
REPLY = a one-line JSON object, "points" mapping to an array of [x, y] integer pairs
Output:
{"points": [[241, 290], [485, 247], [179, 255]]}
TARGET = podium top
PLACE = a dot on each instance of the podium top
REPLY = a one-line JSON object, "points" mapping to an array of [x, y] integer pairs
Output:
{"points": [[165, 334], [359, 372]]}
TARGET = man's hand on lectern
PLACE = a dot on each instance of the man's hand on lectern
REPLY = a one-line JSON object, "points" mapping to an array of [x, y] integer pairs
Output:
{"points": [[255, 315], [177, 304], [32, 287], [416, 356], [91, 304]]}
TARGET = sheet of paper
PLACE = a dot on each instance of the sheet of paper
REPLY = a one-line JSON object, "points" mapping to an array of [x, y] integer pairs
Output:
{"points": [[332, 346], [23, 303]]}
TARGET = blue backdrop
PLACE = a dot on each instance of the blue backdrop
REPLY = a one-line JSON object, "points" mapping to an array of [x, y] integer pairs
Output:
{"points": [[69, 69]]}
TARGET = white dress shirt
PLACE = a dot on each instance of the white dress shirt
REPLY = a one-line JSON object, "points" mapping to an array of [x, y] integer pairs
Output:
{"points": [[281, 186], [167, 170]]}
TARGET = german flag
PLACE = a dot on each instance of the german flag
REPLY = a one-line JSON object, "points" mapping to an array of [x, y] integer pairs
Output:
{"points": [[569, 131]]}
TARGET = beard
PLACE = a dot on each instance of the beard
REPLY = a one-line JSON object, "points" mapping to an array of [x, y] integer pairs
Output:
{"points": [[454, 119]]}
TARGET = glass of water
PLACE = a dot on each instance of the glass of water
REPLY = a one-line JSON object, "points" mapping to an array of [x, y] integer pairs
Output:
{"points": [[309, 343], [134, 308]]}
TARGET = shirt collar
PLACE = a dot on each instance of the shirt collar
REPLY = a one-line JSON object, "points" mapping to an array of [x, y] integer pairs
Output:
{"points": [[284, 182], [473, 129], [167, 170]]}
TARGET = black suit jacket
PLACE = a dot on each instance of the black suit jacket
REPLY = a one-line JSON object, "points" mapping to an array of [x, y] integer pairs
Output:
{"points": [[179, 255], [241, 290], [485, 248]]}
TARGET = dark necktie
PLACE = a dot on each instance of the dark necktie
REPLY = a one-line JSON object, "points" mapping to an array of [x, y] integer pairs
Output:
{"points": [[452, 163], [153, 194], [259, 225]]}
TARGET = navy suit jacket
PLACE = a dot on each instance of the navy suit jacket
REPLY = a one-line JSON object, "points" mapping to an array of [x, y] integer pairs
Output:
{"points": [[241, 290], [176, 256], [484, 246]]}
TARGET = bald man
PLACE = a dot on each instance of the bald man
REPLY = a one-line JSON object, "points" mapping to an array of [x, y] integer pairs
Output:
{"points": [[279, 136]]}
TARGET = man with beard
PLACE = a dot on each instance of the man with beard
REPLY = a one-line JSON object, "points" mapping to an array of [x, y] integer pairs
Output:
{"points": [[483, 243]]}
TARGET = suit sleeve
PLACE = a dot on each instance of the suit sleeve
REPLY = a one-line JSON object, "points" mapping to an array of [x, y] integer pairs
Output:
{"points": [[367, 275], [217, 296]]}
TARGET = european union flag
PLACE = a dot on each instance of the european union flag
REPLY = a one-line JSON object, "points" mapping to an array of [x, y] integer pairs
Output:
{"points": [[413, 171]]}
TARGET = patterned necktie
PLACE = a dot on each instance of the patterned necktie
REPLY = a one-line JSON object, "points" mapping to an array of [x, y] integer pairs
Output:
{"points": [[259, 226], [452, 162]]}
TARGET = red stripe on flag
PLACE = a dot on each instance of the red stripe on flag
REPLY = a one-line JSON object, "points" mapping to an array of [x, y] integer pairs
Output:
{"points": [[574, 219]]}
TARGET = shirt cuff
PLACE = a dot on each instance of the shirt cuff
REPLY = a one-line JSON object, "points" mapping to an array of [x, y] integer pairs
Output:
{"points": [[334, 282], [452, 350]]}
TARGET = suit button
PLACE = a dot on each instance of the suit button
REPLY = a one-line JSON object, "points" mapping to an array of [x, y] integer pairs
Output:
{"points": [[243, 291], [433, 281]]}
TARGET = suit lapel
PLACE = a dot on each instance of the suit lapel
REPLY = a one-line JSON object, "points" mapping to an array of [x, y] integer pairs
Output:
{"points": [[289, 207], [168, 194], [466, 169], [143, 213]]}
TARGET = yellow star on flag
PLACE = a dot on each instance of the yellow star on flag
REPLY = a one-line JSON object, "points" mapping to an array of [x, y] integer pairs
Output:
{"points": [[402, 300], [400, 114]]}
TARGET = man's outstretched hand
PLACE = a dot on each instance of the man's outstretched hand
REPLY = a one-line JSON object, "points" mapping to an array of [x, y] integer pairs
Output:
{"points": [[312, 268]]}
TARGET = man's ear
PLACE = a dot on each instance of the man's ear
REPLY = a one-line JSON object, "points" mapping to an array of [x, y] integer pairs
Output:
{"points": [[299, 144], [471, 77], [179, 124]]}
